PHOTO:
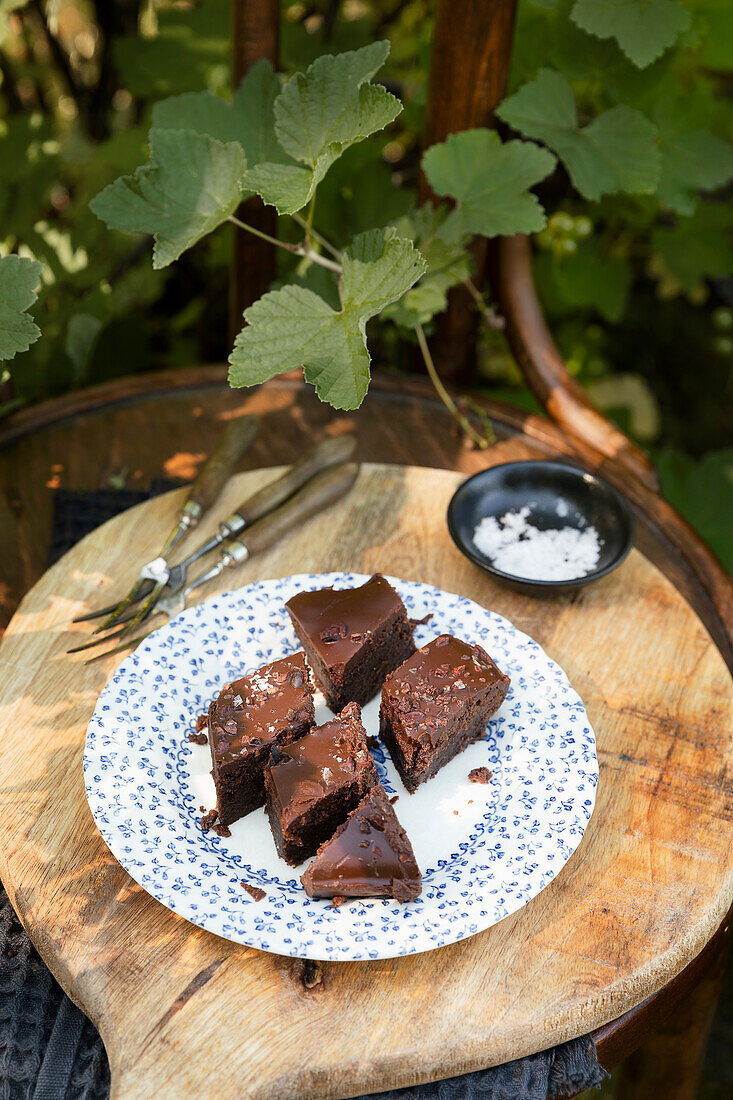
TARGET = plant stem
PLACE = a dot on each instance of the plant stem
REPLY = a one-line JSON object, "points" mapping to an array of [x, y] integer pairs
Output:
{"points": [[323, 242], [309, 220], [443, 394], [296, 249], [493, 319]]}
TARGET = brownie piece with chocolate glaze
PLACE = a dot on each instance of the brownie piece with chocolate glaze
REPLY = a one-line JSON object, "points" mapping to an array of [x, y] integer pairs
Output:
{"points": [[353, 638], [313, 784], [437, 703], [369, 856], [273, 705]]}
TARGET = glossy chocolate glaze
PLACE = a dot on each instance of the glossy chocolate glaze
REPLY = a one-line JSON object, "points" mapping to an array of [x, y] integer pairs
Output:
{"points": [[434, 685], [368, 856], [328, 757], [338, 622], [258, 708]]}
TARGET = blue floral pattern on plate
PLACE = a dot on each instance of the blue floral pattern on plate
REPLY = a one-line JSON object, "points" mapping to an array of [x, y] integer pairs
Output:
{"points": [[485, 850]]}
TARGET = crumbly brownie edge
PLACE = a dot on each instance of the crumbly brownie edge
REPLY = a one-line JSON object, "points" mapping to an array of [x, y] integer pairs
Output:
{"points": [[479, 711]]}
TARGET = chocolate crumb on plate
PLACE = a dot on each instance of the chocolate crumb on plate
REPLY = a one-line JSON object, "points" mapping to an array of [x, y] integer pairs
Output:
{"points": [[480, 775], [222, 830], [393, 799], [338, 900], [202, 722], [198, 738], [209, 819], [255, 892], [421, 622]]}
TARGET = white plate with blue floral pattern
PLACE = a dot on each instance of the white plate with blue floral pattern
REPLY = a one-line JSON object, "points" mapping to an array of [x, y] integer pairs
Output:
{"points": [[485, 850]]}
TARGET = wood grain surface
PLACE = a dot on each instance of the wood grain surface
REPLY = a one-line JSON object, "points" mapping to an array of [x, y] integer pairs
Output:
{"points": [[185, 1013]]}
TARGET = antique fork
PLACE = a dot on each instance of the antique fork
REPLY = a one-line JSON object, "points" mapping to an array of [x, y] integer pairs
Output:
{"points": [[330, 452], [319, 492], [236, 440]]}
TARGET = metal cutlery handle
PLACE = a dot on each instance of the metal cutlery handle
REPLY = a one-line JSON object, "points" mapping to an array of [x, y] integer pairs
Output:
{"points": [[330, 452], [325, 488], [236, 440]]}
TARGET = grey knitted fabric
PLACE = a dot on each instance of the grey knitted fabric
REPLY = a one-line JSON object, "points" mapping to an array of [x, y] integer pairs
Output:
{"points": [[50, 1051]]}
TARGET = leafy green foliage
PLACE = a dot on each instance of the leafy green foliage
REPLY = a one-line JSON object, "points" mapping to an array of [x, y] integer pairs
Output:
{"points": [[489, 181], [18, 281], [692, 159], [699, 246], [447, 266], [614, 152], [644, 29], [318, 115], [247, 119], [590, 277], [190, 186], [703, 492], [294, 327]]}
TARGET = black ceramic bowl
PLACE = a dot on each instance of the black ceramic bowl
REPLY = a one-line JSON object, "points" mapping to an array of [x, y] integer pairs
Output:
{"points": [[541, 486]]}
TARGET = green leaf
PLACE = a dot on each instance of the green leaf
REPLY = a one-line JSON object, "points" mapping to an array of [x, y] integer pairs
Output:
{"points": [[703, 492], [698, 247], [489, 182], [617, 151], [81, 336], [249, 118], [19, 278], [644, 29], [589, 278], [318, 115], [359, 193], [448, 265], [189, 187], [692, 159], [294, 327]]}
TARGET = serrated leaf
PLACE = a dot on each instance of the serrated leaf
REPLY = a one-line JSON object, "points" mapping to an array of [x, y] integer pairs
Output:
{"points": [[692, 160], [190, 186], [489, 181], [318, 115], [294, 327], [698, 247], [617, 151], [19, 278], [644, 29], [249, 119], [447, 266]]}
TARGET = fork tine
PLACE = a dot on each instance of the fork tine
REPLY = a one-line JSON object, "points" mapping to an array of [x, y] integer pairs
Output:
{"points": [[144, 611], [143, 587], [129, 643], [96, 641], [133, 596]]}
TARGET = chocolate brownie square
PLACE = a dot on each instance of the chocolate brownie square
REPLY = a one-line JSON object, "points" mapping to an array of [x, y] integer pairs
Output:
{"points": [[352, 637], [273, 705], [313, 785], [437, 703], [369, 856]]}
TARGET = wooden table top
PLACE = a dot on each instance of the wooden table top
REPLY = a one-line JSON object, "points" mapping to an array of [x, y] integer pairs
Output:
{"points": [[645, 891]]}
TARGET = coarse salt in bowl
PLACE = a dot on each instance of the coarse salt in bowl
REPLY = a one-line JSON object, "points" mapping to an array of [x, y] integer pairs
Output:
{"points": [[541, 526]]}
